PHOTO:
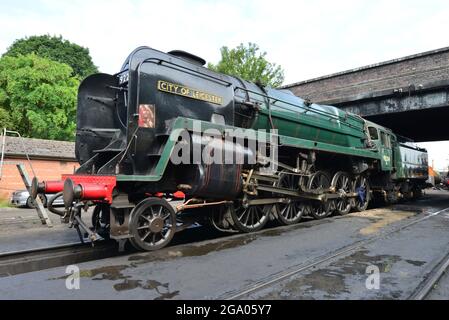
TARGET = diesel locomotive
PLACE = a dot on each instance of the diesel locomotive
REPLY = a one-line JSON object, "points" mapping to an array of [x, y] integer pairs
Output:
{"points": [[154, 132]]}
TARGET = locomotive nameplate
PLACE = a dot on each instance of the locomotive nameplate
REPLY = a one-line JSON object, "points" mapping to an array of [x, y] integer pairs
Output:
{"points": [[188, 92]]}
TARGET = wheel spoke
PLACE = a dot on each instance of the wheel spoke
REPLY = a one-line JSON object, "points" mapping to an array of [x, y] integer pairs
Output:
{"points": [[247, 211], [283, 211], [241, 216], [166, 216], [255, 216], [146, 236], [290, 211], [250, 219], [287, 211], [361, 183], [152, 224], [345, 183]]}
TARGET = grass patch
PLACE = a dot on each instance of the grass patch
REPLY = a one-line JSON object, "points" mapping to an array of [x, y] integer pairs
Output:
{"points": [[4, 203]]}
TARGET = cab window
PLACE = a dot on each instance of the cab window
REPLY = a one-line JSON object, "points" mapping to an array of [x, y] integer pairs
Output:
{"points": [[385, 139], [374, 135], [392, 141]]}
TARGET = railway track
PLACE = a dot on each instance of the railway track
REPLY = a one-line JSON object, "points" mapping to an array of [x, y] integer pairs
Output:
{"points": [[14, 263], [431, 280], [422, 291], [18, 262]]}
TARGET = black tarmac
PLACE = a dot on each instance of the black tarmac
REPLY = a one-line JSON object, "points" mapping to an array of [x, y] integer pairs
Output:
{"points": [[201, 265]]}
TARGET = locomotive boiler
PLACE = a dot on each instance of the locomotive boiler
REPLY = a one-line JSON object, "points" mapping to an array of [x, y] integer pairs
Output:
{"points": [[241, 154]]}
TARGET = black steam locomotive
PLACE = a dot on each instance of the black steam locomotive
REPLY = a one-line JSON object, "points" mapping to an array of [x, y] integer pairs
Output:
{"points": [[157, 130]]}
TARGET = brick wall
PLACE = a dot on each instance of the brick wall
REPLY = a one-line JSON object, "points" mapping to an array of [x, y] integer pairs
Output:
{"points": [[403, 72], [45, 170]]}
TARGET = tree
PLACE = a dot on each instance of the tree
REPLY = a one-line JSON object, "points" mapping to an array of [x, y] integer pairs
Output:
{"points": [[38, 97], [248, 63], [5, 119], [57, 49]]}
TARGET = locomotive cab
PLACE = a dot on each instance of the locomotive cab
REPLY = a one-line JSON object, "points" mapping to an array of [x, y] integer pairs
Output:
{"points": [[382, 141]]}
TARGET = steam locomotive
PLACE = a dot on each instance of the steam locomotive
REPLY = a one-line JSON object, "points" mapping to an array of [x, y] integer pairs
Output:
{"points": [[157, 130]]}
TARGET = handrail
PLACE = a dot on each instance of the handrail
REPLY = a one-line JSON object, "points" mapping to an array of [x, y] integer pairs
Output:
{"points": [[287, 102], [228, 84], [192, 71], [307, 109], [5, 132]]}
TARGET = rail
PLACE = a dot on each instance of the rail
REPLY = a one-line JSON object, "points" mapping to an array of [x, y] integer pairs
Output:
{"points": [[18, 262], [298, 269], [428, 284]]}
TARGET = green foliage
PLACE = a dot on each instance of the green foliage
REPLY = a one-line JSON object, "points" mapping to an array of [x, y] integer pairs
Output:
{"points": [[248, 63], [5, 119], [4, 203], [57, 49], [38, 97]]}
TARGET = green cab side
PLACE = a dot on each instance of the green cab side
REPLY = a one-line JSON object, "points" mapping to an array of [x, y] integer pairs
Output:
{"points": [[382, 140]]}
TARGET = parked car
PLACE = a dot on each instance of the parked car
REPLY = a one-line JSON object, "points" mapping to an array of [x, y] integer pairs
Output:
{"points": [[445, 183], [21, 198]]}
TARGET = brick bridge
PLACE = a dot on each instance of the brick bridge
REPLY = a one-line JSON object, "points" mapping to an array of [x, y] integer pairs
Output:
{"points": [[410, 95]]}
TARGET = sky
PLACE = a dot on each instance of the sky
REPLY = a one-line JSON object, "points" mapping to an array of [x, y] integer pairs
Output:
{"points": [[308, 38]]}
